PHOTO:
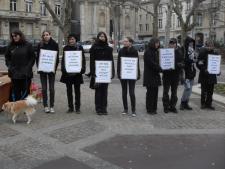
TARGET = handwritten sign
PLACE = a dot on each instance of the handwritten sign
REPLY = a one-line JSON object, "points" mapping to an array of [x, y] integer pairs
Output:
{"points": [[47, 60], [167, 59], [129, 68], [103, 71], [214, 62], [73, 61]]}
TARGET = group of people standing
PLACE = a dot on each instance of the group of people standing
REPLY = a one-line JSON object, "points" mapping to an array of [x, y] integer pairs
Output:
{"points": [[20, 58]]}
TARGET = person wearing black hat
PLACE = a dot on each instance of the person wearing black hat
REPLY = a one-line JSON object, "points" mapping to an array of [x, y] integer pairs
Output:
{"points": [[190, 72], [171, 79], [206, 80], [73, 79]]}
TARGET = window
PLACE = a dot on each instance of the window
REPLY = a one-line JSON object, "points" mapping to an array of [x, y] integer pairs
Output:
{"points": [[102, 19], [140, 16], [160, 9], [188, 5], [160, 23], [199, 20], [12, 5], [147, 27], [57, 10], [29, 30], [140, 27], [29, 4], [178, 22], [43, 9]]}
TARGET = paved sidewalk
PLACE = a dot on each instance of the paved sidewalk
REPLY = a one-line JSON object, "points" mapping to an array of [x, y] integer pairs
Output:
{"points": [[82, 141]]}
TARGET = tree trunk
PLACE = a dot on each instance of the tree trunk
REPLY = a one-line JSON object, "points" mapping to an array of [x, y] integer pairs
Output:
{"points": [[155, 21], [168, 23]]}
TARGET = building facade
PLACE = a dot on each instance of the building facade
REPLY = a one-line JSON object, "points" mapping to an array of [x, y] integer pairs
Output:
{"points": [[210, 20], [30, 16]]}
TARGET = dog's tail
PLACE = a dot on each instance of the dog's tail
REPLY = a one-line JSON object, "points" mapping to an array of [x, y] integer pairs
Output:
{"points": [[31, 101]]}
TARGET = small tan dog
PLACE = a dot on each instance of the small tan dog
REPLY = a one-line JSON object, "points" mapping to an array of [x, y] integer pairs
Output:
{"points": [[19, 107]]}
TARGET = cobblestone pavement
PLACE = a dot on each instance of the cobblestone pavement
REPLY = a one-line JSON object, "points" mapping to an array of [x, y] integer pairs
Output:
{"points": [[56, 136]]}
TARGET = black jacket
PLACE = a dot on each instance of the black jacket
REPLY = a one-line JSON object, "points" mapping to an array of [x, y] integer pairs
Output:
{"points": [[125, 52], [101, 52], [174, 75], [151, 68], [51, 45], [20, 59], [189, 60], [68, 77], [204, 76]]}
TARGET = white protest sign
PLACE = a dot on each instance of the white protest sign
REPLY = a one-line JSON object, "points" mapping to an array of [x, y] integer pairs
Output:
{"points": [[73, 61], [214, 62], [103, 71], [167, 58], [47, 60], [129, 68]]}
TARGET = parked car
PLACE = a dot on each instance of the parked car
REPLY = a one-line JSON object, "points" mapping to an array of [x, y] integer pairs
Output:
{"points": [[3, 45], [86, 46], [34, 43]]}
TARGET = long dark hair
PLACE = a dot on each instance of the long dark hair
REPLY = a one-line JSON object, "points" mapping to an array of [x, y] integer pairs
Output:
{"points": [[99, 34], [20, 33], [152, 43]]}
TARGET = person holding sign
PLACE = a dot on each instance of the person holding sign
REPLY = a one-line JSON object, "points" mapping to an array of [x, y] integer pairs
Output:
{"points": [[171, 79], [101, 60], [47, 63], [128, 71], [206, 79], [152, 79], [73, 65], [19, 59]]}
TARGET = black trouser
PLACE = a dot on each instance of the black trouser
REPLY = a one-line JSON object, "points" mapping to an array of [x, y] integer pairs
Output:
{"points": [[170, 102], [206, 94], [20, 88], [48, 77], [69, 89], [151, 98], [101, 94], [131, 84]]}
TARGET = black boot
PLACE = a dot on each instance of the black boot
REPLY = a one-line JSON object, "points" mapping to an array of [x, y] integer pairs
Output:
{"points": [[182, 105], [187, 107]]}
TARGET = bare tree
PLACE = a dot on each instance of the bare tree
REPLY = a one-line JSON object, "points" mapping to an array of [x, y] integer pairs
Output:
{"points": [[186, 24]]}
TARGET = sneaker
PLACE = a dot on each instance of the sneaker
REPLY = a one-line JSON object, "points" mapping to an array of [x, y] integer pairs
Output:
{"points": [[78, 111], [52, 110], [46, 109], [134, 114], [125, 111]]}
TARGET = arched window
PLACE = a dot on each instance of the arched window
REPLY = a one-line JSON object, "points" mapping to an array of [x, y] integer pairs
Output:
{"points": [[102, 19], [127, 22]]}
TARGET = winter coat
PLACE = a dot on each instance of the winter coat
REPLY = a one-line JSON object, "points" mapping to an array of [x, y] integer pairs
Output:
{"points": [[100, 52], [174, 75], [125, 52], [20, 58], [151, 68], [204, 76], [189, 60], [51, 45], [72, 78]]}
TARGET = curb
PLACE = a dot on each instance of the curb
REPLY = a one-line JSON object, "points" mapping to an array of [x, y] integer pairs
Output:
{"points": [[216, 97]]}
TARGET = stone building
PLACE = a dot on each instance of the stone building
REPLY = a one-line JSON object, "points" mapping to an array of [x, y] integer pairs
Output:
{"points": [[30, 16]]}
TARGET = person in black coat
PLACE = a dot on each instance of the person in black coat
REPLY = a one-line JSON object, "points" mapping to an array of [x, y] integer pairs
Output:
{"points": [[100, 51], [128, 51], [71, 79], [190, 72], [171, 79], [48, 43], [152, 79], [207, 80], [19, 59]]}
